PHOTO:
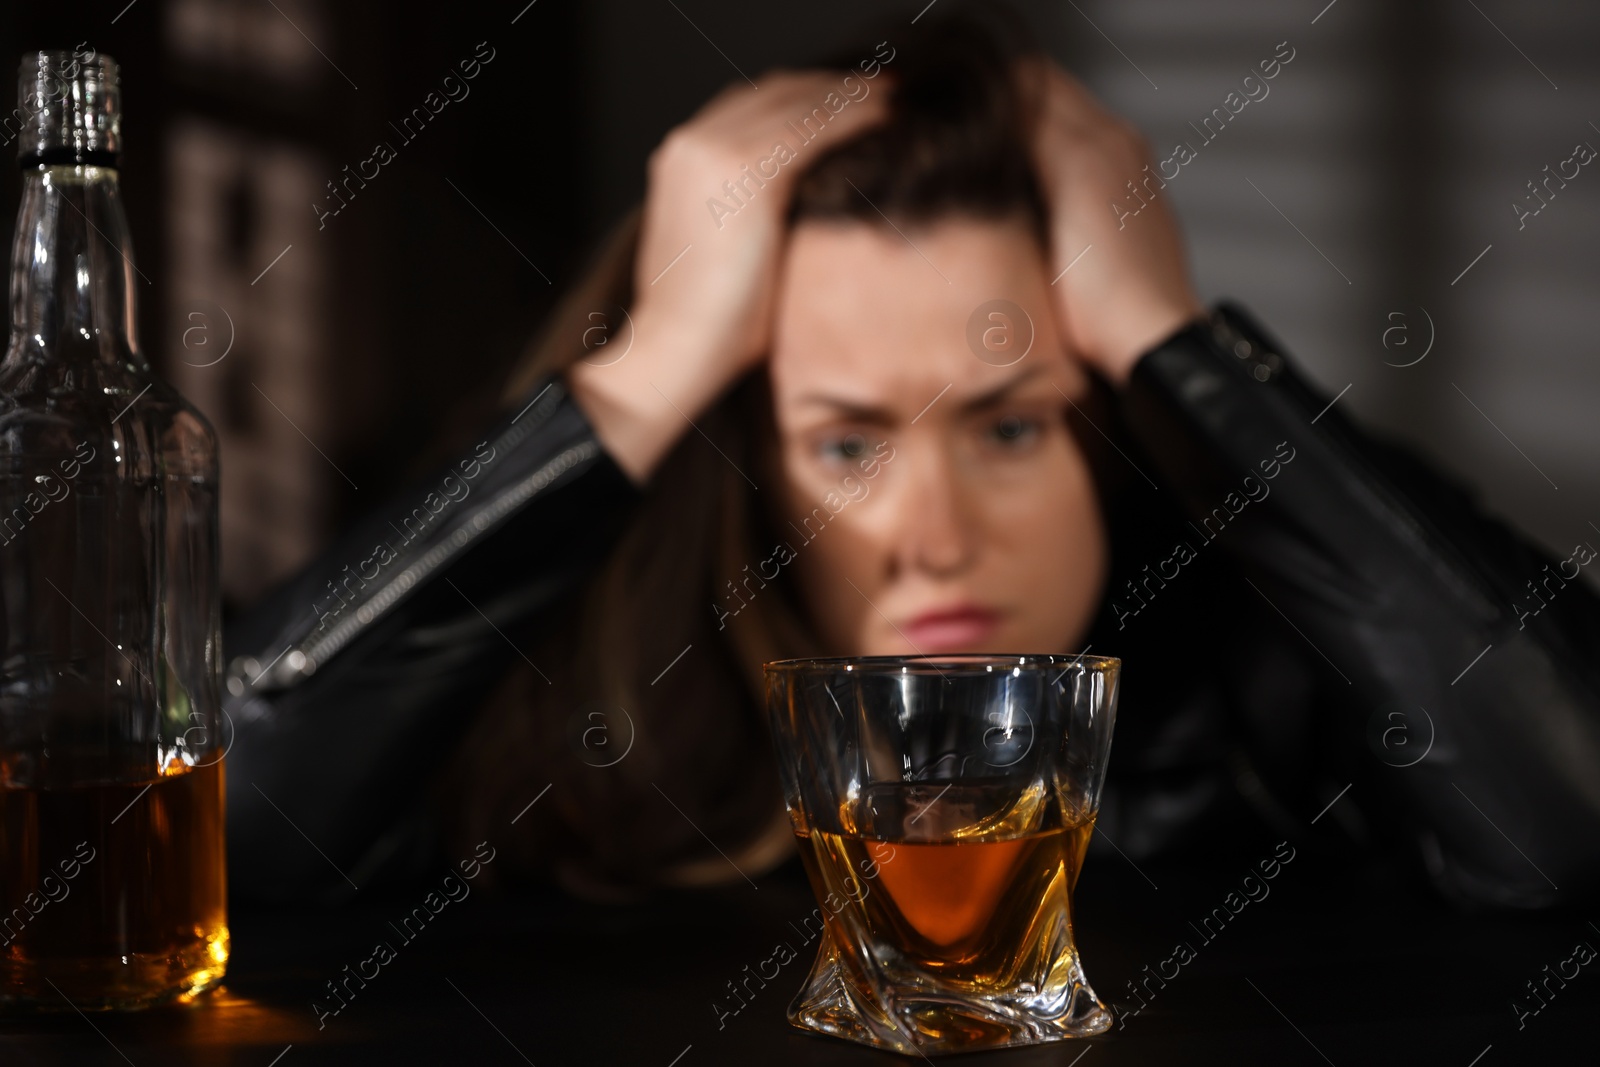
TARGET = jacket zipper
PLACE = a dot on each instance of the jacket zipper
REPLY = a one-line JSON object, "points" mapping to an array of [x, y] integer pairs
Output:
{"points": [[296, 663]]}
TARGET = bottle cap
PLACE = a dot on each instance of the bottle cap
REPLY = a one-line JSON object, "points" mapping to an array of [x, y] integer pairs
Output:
{"points": [[69, 107]]}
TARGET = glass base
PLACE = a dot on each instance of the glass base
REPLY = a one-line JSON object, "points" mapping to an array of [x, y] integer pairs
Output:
{"points": [[101, 984], [915, 1014]]}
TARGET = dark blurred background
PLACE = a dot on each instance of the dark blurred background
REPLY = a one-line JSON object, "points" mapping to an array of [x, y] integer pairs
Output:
{"points": [[1343, 208]]}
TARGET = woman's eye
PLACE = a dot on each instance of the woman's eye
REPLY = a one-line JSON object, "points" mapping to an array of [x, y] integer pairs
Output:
{"points": [[844, 449], [1013, 431]]}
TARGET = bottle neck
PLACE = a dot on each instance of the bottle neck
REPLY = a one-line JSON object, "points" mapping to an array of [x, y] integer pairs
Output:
{"points": [[72, 270]]}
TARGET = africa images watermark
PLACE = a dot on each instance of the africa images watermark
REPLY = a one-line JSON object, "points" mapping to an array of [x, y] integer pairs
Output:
{"points": [[411, 126], [783, 953], [49, 489], [1582, 154], [1184, 553], [26, 112], [384, 953], [1582, 954], [1185, 153], [810, 128], [1397, 335], [589, 734], [833, 502], [453, 490], [1582, 555], [1254, 890], [12, 925]]}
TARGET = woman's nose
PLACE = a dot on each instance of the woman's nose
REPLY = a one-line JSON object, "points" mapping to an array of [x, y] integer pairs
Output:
{"points": [[938, 532]]}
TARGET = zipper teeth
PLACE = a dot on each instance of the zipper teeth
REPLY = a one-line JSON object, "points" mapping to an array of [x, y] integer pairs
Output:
{"points": [[402, 583], [319, 650]]}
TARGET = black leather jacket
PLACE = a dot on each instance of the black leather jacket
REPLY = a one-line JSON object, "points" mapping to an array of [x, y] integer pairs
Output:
{"points": [[1321, 635]]}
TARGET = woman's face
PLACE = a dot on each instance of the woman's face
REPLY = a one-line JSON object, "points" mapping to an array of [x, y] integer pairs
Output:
{"points": [[935, 501]]}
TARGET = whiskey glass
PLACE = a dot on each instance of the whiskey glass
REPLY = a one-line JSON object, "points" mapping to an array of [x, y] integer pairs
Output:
{"points": [[942, 806]]}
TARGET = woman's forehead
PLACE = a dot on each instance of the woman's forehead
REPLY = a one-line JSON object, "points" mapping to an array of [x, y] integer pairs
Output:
{"points": [[879, 311]]}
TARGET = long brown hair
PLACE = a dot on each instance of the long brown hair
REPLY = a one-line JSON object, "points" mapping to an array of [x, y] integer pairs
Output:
{"points": [[699, 763]]}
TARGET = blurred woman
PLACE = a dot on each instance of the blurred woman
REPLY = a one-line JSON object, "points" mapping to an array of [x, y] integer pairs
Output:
{"points": [[876, 371]]}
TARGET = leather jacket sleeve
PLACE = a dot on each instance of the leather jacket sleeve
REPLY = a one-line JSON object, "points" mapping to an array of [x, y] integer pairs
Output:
{"points": [[1409, 598], [348, 683]]}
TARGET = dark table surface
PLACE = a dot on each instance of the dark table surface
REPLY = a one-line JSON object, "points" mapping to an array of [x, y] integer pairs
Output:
{"points": [[1336, 964]]}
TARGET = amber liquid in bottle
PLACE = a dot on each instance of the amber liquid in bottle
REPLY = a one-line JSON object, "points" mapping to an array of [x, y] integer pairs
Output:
{"points": [[112, 877], [113, 894]]}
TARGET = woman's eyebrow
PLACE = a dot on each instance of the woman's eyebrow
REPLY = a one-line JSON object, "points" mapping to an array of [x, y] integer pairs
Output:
{"points": [[878, 414]]}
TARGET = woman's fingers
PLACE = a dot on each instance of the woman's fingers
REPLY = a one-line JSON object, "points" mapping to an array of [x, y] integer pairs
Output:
{"points": [[804, 112], [705, 272], [1128, 285]]}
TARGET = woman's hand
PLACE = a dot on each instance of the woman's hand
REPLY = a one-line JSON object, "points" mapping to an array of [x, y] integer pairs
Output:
{"points": [[1131, 289], [706, 268]]}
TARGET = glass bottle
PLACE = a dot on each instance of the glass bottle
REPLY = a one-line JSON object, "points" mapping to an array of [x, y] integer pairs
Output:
{"points": [[112, 882]]}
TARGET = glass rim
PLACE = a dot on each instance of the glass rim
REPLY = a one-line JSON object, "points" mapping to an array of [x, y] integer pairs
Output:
{"points": [[935, 660]]}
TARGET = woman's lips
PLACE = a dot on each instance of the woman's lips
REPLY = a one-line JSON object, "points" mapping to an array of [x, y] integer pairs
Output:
{"points": [[957, 629]]}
